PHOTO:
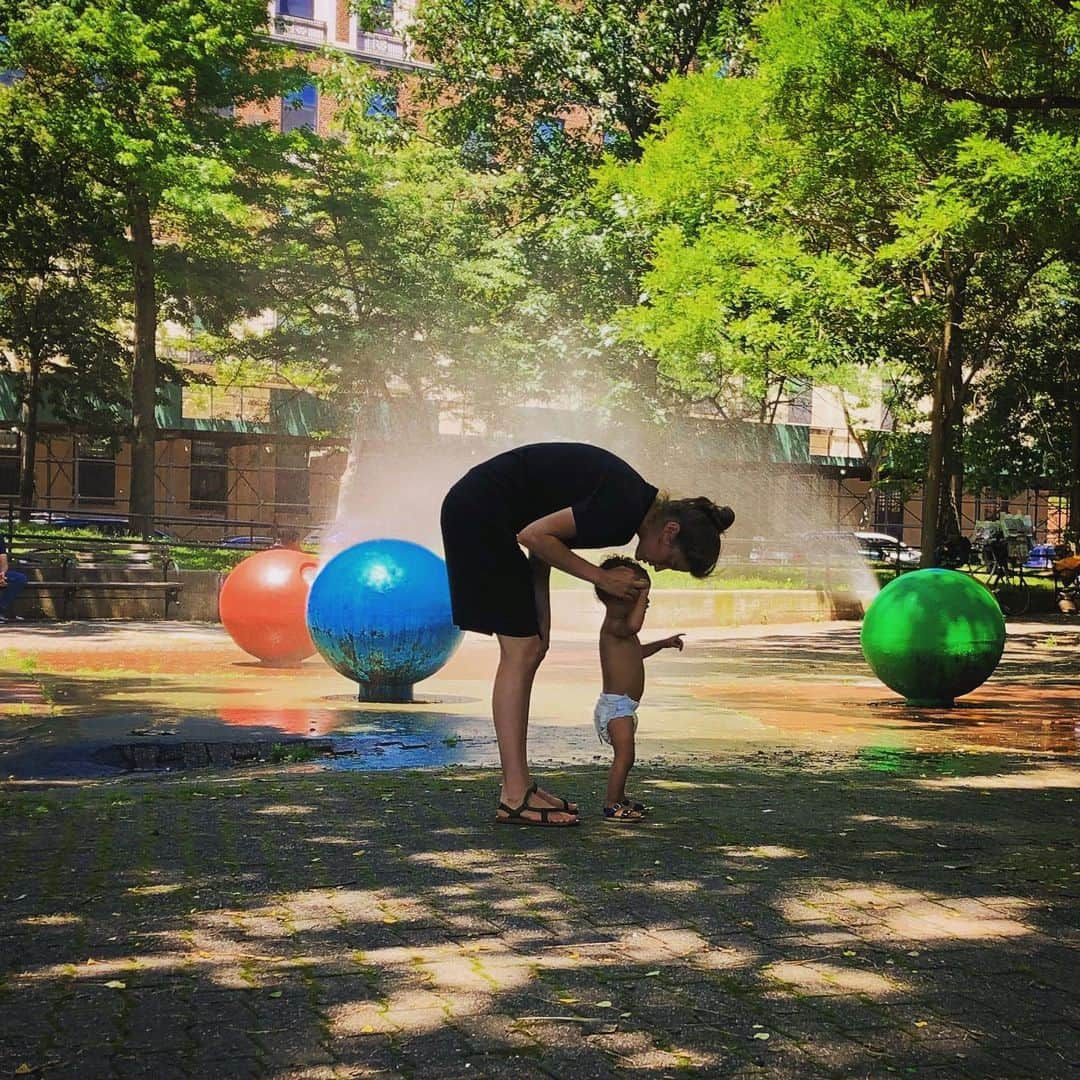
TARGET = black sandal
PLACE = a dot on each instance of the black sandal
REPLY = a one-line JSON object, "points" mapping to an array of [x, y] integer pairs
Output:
{"points": [[566, 808], [623, 811], [640, 807], [516, 815]]}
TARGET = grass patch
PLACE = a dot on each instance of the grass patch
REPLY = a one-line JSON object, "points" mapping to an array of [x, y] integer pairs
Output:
{"points": [[187, 557], [293, 753]]}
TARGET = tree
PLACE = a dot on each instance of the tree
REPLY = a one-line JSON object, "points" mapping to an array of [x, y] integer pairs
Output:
{"points": [[1018, 58], [822, 166], [1025, 431], [58, 303], [139, 98], [518, 69], [980, 200], [388, 265]]}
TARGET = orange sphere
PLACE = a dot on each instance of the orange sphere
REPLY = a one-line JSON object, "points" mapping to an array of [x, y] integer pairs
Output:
{"points": [[263, 605]]}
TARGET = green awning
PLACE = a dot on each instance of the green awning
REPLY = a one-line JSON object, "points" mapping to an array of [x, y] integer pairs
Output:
{"points": [[9, 402]]}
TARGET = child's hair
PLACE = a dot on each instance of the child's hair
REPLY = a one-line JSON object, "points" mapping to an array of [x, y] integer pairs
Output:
{"points": [[701, 523], [610, 563]]}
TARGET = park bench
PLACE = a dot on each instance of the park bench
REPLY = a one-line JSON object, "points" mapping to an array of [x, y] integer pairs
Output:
{"points": [[68, 568]]}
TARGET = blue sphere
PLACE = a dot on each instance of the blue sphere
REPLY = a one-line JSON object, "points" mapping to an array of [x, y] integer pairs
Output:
{"points": [[379, 613]]}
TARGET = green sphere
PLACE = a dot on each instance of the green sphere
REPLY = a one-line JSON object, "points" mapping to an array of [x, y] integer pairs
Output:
{"points": [[933, 635]]}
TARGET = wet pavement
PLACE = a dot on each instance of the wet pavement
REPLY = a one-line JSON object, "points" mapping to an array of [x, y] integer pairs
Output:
{"points": [[71, 691], [828, 884]]}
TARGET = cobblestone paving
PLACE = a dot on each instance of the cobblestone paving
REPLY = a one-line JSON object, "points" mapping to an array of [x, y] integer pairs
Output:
{"points": [[779, 915]]}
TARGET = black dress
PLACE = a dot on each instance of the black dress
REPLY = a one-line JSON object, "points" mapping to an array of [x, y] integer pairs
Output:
{"points": [[491, 585]]}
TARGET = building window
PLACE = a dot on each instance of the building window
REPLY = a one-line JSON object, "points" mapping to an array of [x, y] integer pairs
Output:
{"points": [[889, 513], [291, 477], [547, 134], [209, 476], [478, 149], [990, 507], [9, 463], [801, 406], [383, 13], [300, 109], [382, 104], [8, 76], [95, 471], [297, 9]]}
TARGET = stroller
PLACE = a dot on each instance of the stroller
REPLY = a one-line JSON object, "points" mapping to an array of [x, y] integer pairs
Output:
{"points": [[1067, 583]]}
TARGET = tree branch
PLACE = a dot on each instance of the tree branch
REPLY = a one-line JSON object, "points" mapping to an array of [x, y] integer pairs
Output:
{"points": [[1041, 102]]}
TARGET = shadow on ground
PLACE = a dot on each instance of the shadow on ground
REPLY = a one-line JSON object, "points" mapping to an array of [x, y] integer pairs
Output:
{"points": [[908, 913]]}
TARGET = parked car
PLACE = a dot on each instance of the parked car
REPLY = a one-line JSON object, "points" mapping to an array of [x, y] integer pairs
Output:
{"points": [[883, 548], [828, 547], [106, 524], [248, 542], [765, 550]]}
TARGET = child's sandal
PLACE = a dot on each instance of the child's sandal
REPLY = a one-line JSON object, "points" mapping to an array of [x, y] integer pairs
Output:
{"points": [[622, 812]]}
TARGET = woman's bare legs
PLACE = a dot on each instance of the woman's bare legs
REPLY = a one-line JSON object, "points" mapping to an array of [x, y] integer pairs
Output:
{"points": [[519, 660], [541, 575]]}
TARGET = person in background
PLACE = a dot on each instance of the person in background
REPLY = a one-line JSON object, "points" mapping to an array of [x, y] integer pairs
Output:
{"points": [[11, 584], [288, 538]]}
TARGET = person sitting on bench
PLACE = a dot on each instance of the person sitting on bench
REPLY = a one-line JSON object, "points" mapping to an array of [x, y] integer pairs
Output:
{"points": [[11, 584]]}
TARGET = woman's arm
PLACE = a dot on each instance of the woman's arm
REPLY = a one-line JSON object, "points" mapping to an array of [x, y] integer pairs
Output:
{"points": [[545, 539]]}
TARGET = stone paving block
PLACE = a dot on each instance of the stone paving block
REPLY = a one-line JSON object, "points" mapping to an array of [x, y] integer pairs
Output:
{"points": [[212, 1064], [493, 1033], [497, 1067], [92, 1065], [1032, 1060], [227, 1037], [293, 1046], [141, 1065], [589, 1064]]}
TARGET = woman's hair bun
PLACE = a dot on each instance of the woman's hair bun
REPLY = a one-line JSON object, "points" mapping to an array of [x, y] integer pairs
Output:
{"points": [[720, 517], [724, 517]]}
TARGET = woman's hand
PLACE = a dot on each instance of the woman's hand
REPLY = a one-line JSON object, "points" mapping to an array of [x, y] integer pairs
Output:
{"points": [[622, 583]]}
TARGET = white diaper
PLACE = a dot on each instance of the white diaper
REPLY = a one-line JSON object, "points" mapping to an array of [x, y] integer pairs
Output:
{"points": [[610, 707]]}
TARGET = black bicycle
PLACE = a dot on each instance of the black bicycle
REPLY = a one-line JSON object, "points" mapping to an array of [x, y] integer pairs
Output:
{"points": [[1005, 578]]}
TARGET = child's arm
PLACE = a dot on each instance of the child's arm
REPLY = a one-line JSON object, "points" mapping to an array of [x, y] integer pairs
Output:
{"points": [[673, 642], [636, 619]]}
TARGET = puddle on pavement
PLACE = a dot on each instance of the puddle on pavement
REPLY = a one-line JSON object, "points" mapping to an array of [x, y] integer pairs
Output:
{"points": [[772, 693]]}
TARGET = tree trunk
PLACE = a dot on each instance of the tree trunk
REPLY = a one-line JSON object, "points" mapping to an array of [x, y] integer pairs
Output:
{"points": [[28, 446], [144, 373], [1072, 530], [949, 527], [935, 462], [943, 412]]}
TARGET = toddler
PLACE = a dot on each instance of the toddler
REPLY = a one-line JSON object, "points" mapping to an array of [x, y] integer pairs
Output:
{"points": [[621, 661]]}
